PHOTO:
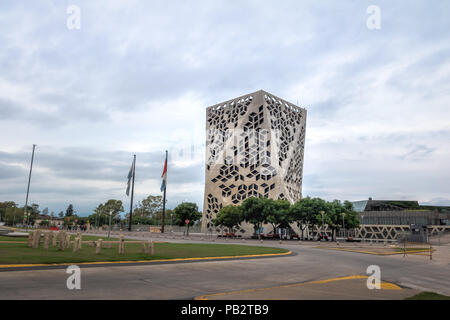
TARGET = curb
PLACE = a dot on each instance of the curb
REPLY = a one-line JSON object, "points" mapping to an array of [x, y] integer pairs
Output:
{"points": [[18, 267]]}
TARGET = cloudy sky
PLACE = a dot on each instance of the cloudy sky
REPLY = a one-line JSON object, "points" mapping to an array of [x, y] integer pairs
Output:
{"points": [[137, 76]]}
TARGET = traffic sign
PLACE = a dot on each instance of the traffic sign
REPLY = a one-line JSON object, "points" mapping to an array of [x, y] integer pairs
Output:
{"points": [[186, 221]]}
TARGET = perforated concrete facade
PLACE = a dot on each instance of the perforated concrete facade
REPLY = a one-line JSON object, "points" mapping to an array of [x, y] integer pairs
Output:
{"points": [[254, 148]]}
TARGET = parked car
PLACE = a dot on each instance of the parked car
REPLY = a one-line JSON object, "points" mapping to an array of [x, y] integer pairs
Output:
{"points": [[230, 235], [351, 239], [272, 235]]}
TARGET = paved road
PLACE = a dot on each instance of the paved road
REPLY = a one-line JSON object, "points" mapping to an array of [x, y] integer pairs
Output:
{"points": [[188, 280]]}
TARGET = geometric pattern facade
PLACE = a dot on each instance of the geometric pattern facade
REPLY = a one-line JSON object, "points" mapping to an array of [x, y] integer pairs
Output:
{"points": [[384, 232], [254, 148], [393, 232]]}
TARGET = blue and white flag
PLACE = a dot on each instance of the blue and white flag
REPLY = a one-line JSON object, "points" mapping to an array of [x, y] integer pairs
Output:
{"points": [[130, 175]]}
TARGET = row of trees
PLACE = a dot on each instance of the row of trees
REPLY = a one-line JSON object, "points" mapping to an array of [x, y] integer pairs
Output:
{"points": [[147, 212], [306, 213], [11, 214]]}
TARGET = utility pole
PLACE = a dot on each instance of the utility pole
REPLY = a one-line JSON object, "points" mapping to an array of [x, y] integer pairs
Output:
{"points": [[28, 189]]}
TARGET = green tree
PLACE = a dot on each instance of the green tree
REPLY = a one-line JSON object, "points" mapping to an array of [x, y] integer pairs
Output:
{"points": [[149, 206], [3, 207], [69, 210], [13, 215], [351, 216], [33, 212], [61, 214], [337, 212], [186, 211], [142, 220], [114, 206], [255, 211], [101, 213], [169, 216], [229, 217], [306, 213], [278, 214]]}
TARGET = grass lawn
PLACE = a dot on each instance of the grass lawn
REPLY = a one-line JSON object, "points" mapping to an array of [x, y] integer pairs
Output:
{"points": [[5, 238], [20, 253], [72, 237], [428, 296]]}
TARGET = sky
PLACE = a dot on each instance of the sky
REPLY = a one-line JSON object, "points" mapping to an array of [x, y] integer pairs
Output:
{"points": [[137, 76]]}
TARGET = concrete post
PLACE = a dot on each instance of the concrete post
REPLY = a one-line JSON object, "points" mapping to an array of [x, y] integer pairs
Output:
{"points": [[151, 248], [54, 238], [67, 241], [46, 240], [121, 245], [30, 239], [62, 239], [37, 239], [144, 247], [99, 246], [75, 245]]}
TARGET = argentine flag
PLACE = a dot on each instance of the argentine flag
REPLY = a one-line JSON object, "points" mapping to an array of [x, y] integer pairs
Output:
{"points": [[164, 177], [130, 175]]}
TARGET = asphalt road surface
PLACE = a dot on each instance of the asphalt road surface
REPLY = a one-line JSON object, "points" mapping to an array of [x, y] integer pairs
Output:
{"points": [[189, 280]]}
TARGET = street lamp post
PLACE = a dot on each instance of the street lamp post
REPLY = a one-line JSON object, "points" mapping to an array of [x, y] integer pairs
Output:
{"points": [[362, 220], [323, 225], [14, 217], [109, 228], [343, 222]]}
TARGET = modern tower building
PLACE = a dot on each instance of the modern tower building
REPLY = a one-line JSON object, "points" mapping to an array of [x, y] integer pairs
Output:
{"points": [[254, 148]]}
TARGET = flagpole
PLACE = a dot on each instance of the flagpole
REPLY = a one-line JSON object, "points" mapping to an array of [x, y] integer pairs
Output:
{"points": [[28, 190], [132, 194], [164, 203]]}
